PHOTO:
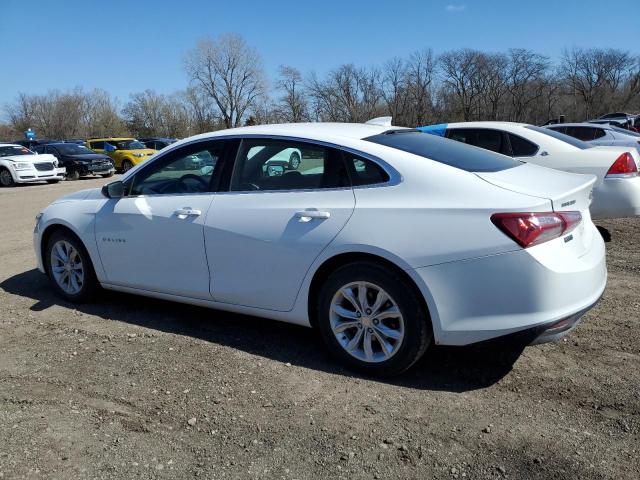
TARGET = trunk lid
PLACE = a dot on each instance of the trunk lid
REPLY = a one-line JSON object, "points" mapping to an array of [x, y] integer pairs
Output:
{"points": [[566, 191]]}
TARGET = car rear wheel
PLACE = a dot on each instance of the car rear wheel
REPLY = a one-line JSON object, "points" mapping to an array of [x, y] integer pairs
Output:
{"points": [[294, 161], [372, 319], [6, 180], [126, 166], [69, 267], [73, 175]]}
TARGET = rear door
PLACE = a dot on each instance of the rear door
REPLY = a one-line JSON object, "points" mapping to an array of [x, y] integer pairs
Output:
{"points": [[263, 234]]}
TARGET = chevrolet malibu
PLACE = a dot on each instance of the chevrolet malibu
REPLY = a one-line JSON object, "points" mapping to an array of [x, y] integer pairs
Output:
{"points": [[386, 240]]}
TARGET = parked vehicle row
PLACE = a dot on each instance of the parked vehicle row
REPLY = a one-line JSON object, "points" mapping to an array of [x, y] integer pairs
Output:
{"points": [[79, 161], [387, 240], [18, 164], [616, 192]]}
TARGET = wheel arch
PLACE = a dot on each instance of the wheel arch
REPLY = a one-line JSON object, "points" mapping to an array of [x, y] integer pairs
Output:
{"points": [[331, 264], [46, 234]]}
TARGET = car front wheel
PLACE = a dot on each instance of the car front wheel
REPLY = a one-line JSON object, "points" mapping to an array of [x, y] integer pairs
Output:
{"points": [[69, 267], [6, 180], [372, 319], [294, 161]]}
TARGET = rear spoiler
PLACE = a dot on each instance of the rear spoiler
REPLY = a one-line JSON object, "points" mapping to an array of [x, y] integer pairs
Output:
{"points": [[381, 121]]}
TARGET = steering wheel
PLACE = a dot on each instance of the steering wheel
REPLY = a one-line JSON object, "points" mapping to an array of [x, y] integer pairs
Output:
{"points": [[190, 176]]}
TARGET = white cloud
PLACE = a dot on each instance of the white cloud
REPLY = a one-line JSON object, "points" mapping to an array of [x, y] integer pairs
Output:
{"points": [[453, 8]]}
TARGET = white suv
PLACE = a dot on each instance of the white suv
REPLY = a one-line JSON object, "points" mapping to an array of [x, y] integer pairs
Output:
{"points": [[18, 164]]}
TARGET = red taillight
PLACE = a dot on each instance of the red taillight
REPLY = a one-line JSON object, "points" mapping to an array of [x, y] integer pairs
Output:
{"points": [[534, 228], [624, 166]]}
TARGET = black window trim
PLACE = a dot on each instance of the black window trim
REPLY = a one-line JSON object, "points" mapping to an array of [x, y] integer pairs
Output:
{"points": [[394, 176]]}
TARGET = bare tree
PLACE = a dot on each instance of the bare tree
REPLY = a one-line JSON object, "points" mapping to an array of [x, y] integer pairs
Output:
{"points": [[347, 94], [421, 68], [524, 74], [229, 72], [462, 79], [292, 106]]}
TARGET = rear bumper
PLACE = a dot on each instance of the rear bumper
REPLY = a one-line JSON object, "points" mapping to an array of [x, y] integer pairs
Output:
{"points": [[616, 198], [489, 297]]}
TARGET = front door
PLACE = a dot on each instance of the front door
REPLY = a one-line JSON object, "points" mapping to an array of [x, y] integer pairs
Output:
{"points": [[153, 238], [265, 232]]}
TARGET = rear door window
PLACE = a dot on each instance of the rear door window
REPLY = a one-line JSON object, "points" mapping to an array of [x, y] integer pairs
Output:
{"points": [[443, 150], [585, 134], [98, 145]]}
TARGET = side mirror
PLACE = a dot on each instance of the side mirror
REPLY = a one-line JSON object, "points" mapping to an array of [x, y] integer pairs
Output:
{"points": [[113, 190]]}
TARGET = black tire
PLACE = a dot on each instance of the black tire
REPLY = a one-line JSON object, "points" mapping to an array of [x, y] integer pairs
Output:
{"points": [[90, 285], [106, 175], [73, 175], [294, 161], [53, 181], [418, 333], [6, 180], [126, 166]]}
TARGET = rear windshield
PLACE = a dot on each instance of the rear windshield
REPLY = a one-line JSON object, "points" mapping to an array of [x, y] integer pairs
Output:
{"points": [[443, 150], [561, 136], [625, 132]]}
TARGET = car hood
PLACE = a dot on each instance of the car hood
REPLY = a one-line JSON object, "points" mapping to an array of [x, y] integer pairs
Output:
{"points": [[44, 157], [86, 157], [88, 194]]}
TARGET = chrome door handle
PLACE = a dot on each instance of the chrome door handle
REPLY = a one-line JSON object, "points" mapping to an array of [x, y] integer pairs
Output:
{"points": [[185, 212], [308, 215]]}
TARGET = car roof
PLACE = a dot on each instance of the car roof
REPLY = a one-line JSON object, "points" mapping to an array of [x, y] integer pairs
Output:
{"points": [[313, 131], [581, 124], [486, 124], [10, 145], [111, 138]]}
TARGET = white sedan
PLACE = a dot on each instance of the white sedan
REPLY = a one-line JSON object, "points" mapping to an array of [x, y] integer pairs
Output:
{"points": [[18, 164], [596, 134], [386, 240], [617, 191]]}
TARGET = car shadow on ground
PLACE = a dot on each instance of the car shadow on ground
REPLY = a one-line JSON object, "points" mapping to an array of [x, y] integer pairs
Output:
{"points": [[455, 369]]}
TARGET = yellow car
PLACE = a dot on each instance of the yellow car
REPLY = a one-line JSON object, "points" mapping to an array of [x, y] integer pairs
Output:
{"points": [[125, 152]]}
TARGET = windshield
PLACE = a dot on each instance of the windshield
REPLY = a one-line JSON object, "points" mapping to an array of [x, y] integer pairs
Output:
{"points": [[73, 149], [560, 136], [443, 150], [8, 150], [126, 144]]}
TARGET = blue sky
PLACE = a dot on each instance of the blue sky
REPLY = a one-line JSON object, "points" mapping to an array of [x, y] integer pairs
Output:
{"points": [[128, 46]]}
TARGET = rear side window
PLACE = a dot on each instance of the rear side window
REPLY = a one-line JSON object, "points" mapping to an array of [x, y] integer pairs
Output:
{"points": [[521, 147], [363, 171], [582, 133], [443, 150], [480, 137]]}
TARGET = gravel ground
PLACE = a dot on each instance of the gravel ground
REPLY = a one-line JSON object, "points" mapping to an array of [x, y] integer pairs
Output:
{"points": [[130, 387]]}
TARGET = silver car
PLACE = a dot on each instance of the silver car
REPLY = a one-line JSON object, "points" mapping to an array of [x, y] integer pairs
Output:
{"points": [[599, 134]]}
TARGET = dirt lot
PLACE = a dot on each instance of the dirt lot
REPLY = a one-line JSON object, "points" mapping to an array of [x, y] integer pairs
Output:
{"points": [[137, 388]]}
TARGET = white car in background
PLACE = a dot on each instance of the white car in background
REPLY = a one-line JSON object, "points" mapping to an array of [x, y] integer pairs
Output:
{"points": [[596, 134], [18, 164], [617, 190], [386, 240]]}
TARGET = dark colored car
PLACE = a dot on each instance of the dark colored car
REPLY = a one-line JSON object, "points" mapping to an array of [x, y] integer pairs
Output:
{"points": [[79, 160], [157, 143]]}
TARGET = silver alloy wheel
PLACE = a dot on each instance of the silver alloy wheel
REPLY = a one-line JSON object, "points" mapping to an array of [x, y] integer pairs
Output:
{"points": [[5, 177], [66, 267], [294, 161], [366, 322]]}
